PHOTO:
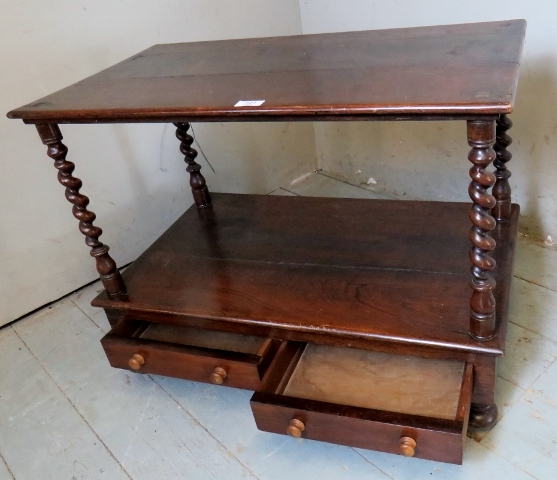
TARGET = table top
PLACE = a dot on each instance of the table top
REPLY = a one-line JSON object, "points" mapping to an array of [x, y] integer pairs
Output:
{"points": [[451, 70]]}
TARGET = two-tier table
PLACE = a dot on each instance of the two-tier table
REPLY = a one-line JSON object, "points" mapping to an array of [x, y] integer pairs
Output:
{"points": [[369, 323]]}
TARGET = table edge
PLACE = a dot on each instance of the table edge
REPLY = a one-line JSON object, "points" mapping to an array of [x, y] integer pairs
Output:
{"points": [[287, 113]]}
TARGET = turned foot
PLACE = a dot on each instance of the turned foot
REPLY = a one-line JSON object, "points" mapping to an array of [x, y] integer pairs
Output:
{"points": [[482, 416]]}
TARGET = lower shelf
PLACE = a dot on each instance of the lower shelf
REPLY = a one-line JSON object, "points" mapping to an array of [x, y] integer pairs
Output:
{"points": [[392, 403], [325, 270]]}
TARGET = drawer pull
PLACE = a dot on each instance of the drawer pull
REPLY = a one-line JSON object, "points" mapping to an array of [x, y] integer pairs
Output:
{"points": [[136, 361], [406, 446], [295, 428], [218, 375]]}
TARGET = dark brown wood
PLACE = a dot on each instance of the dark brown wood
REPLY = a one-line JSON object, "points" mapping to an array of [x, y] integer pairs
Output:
{"points": [[436, 439], [386, 277], [124, 343], [439, 440], [502, 189], [442, 70], [273, 265], [110, 276], [281, 367], [114, 316], [481, 137], [484, 381], [483, 416], [197, 181], [394, 117]]}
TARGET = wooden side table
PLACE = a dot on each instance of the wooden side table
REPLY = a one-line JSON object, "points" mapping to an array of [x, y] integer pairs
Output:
{"points": [[355, 321]]}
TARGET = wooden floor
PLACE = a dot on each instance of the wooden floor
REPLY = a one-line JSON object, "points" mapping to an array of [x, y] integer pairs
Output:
{"points": [[65, 414]]}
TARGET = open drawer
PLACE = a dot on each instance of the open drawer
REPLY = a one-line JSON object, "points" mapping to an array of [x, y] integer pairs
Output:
{"points": [[379, 401], [223, 358]]}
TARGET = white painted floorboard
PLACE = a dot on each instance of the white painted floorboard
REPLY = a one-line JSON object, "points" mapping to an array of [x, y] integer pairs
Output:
{"points": [[66, 414], [42, 435], [145, 429]]}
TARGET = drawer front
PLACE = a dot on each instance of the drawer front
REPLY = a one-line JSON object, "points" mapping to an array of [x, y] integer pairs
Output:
{"points": [[232, 369], [335, 424], [439, 439]]}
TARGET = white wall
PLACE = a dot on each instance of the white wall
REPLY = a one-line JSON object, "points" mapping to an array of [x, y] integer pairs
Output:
{"points": [[428, 160], [134, 175]]}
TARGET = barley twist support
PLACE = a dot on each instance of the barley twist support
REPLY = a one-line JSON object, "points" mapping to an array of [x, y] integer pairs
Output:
{"points": [[481, 137], [502, 189], [197, 181], [110, 276]]}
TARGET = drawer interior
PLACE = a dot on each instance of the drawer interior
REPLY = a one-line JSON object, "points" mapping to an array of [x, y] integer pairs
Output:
{"points": [[376, 380], [202, 338]]}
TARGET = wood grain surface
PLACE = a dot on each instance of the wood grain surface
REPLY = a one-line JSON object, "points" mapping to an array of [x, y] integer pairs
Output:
{"points": [[443, 70], [321, 267]]}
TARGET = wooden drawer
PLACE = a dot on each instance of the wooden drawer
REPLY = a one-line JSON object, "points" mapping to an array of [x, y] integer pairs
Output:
{"points": [[223, 358], [393, 403]]}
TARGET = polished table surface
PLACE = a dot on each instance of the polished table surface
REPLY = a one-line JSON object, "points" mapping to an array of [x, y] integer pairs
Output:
{"points": [[348, 271], [454, 70]]}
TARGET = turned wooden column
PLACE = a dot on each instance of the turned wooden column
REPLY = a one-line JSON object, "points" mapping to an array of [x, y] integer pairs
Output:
{"points": [[110, 276], [481, 137], [502, 189], [197, 181]]}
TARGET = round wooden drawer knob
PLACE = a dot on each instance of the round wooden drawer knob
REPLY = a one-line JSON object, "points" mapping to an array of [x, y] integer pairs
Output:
{"points": [[136, 361], [218, 375], [295, 428], [406, 446]]}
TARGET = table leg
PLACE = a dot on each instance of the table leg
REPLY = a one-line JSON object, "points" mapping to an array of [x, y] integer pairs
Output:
{"points": [[502, 189], [197, 181], [483, 412], [481, 137], [110, 276]]}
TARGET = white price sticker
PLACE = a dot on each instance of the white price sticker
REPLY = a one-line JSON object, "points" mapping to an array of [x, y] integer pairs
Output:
{"points": [[249, 103]]}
